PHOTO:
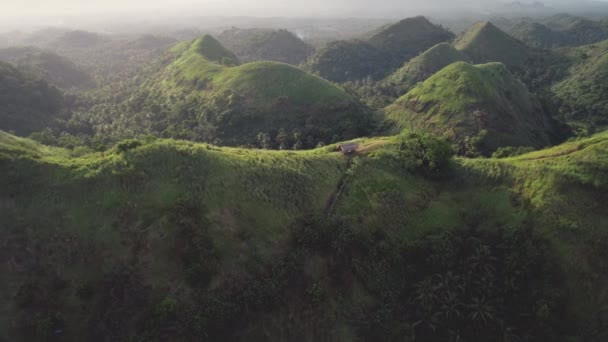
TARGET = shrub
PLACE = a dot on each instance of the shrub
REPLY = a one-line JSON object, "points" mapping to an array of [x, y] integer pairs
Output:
{"points": [[425, 152], [128, 144]]}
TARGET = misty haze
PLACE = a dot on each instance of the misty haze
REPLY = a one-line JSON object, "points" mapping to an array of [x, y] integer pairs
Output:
{"points": [[281, 170]]}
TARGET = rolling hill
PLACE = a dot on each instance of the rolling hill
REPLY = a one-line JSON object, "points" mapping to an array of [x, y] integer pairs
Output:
{"points": [[26, 104], [192, 240], [377, 53], [253, 45], [422, 67], [407, 38], [537, 35], [261, 103], [583, 93], [560, 30], [343, 61], [485, 43], [56, 70], [576, 30], [481, 43], [480, 108]]}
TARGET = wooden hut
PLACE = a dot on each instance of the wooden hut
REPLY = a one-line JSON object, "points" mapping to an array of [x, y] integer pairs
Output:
{"points": [[349, 148]]}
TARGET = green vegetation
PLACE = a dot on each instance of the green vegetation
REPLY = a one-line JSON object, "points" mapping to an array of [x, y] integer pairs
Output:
{"points": [[560, 30], [407, 38], [260, 226], [252, 45], [194, 241], [265, 104], [422, 67], [583, 94], [485, 43], [576, 30], [537, 35], [342, 61], [480, 108], [26, 104], [56, 70], [482, 43], [378, 53]]}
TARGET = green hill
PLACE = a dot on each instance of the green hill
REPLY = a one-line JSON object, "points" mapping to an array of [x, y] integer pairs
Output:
{"points": [[377, 53], [26, 104], [422, 67], [265, 104], [537, 35], [583, 93], [481, 43], [407, 38], [485, 43], [343, 61], [560, 30], [190, 240], [480, 108], [576, 30], [57, 70], [252, 45]]}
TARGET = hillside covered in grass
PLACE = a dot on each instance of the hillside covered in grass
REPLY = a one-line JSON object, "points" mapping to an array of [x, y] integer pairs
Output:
{"points": [[484, 43], [56, 70], [191, 240], [583, 93], [377, 53], [422, 67], [252, 45], [27, 104], [480, 108], [202, 94]]}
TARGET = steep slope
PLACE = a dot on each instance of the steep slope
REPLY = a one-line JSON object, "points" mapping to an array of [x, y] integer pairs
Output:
{"points": [[576, 30], [583, 94], [26, 104], [192, 240], [422, 67], [480, 108], [263, 103], [377, 53], [408, 38], [537, 35], [343, 61], [252, 45], [560, 30], [485, 43], [57, 70]]}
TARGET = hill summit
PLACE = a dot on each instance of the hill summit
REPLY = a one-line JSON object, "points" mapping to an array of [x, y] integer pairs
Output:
{"points": [[479, 107], [252, 45], [208, 47], [422, 67], [407, 38], [27, 104], [484, 43], [264, 104], [379, 52]]}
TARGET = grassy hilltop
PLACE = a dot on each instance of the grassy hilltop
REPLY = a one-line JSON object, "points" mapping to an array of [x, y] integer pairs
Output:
{"points": [[157, 239], [377, 53], [266, 45], [26, 103], [481, 108], [203, 94]]}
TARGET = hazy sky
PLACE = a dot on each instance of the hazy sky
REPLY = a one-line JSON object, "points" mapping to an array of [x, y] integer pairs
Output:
{"points": [[19, 8]]}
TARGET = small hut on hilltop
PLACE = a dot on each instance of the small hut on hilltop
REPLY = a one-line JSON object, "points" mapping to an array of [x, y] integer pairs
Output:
{"points": [[348, 148]]}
